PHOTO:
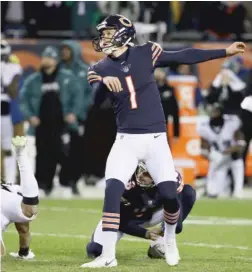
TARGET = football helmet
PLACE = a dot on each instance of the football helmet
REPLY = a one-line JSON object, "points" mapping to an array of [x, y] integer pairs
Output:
{"points": [[124, 34], [143, 178], [216, 110]]}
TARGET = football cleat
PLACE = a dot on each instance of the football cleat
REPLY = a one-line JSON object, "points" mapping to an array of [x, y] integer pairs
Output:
{"points": [[19, 142], [171, 253], [100, 262], [30, 255], [157, 251]]}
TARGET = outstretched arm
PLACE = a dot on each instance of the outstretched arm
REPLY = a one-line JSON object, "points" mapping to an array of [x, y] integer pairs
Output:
{"points": [[192, 56]]}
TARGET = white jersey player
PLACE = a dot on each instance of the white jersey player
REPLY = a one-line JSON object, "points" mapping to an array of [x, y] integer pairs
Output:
{"points": [[19, 203], [222, 143], [10, 75]]}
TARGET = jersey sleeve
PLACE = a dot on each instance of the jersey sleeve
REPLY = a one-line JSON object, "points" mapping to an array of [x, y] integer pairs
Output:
{"points": [[93, 76], [130, 227], [202, 130], [161, 58], [155, 50], [98, 94], [12, 71]]}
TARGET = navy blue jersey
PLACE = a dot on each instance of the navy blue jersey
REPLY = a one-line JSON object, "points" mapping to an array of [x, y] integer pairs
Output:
{"points": [[140, 203], [138, 206], [138, 107]]}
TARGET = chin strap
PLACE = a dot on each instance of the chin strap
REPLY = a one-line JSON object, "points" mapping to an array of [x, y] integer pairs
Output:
{"points": [[112, 48], [109, 50]]}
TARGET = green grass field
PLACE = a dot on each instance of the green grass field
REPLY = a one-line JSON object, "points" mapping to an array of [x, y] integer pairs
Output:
{"points": [[217, 237]]}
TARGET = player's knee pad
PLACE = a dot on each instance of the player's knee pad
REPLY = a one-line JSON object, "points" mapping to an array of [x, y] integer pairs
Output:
{"points": [[93, 249]]}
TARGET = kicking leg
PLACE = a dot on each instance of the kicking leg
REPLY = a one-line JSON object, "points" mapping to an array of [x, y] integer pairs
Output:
{"points": [[161, 167], [186, 199], [21, 207], [9, 160], [28, 183], [9, 167]]}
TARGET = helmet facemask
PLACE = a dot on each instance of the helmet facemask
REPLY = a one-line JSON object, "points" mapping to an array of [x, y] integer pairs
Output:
{"points": [[143, 178], [106, 42]]}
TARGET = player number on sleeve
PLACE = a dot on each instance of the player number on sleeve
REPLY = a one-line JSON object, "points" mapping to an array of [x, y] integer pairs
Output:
{"points": [[132, 91]]}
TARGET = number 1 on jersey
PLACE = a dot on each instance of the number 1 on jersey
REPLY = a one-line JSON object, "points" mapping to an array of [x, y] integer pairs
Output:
{"points": [[132, 91]]}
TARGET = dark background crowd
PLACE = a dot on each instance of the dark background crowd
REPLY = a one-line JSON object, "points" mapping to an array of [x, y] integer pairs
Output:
{"points": [[80, 142], [210, 20]]}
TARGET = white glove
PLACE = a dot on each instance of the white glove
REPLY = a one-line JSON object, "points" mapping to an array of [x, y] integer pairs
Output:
{"points": [[30, 255]]}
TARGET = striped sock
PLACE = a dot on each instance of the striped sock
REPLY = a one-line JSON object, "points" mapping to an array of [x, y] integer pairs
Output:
{"points": [[110, 221], [171, 220], [110, 226]]}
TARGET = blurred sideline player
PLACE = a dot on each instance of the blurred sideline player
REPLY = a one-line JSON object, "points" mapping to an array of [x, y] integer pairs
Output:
{"points": [[126, 76], [222, 143], [141, 208], [10, 76], [17, 115], [19, 203]]}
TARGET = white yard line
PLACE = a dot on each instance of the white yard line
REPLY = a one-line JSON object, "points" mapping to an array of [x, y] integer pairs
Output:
{"points": [[131, 239], [65, 209], [192, 220], [244, 258], [215, 246], [218, 222]]}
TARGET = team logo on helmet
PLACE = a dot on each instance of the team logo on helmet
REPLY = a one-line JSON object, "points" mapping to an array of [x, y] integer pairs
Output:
{"points": [[125, 21]]}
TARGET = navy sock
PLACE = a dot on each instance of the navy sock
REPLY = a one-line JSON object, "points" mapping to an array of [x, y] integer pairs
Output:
{"points": [[111, 209], [168, 193]]}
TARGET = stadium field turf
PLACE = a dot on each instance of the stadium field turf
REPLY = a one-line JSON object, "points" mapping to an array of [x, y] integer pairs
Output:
{"points": [[217, 237]]}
